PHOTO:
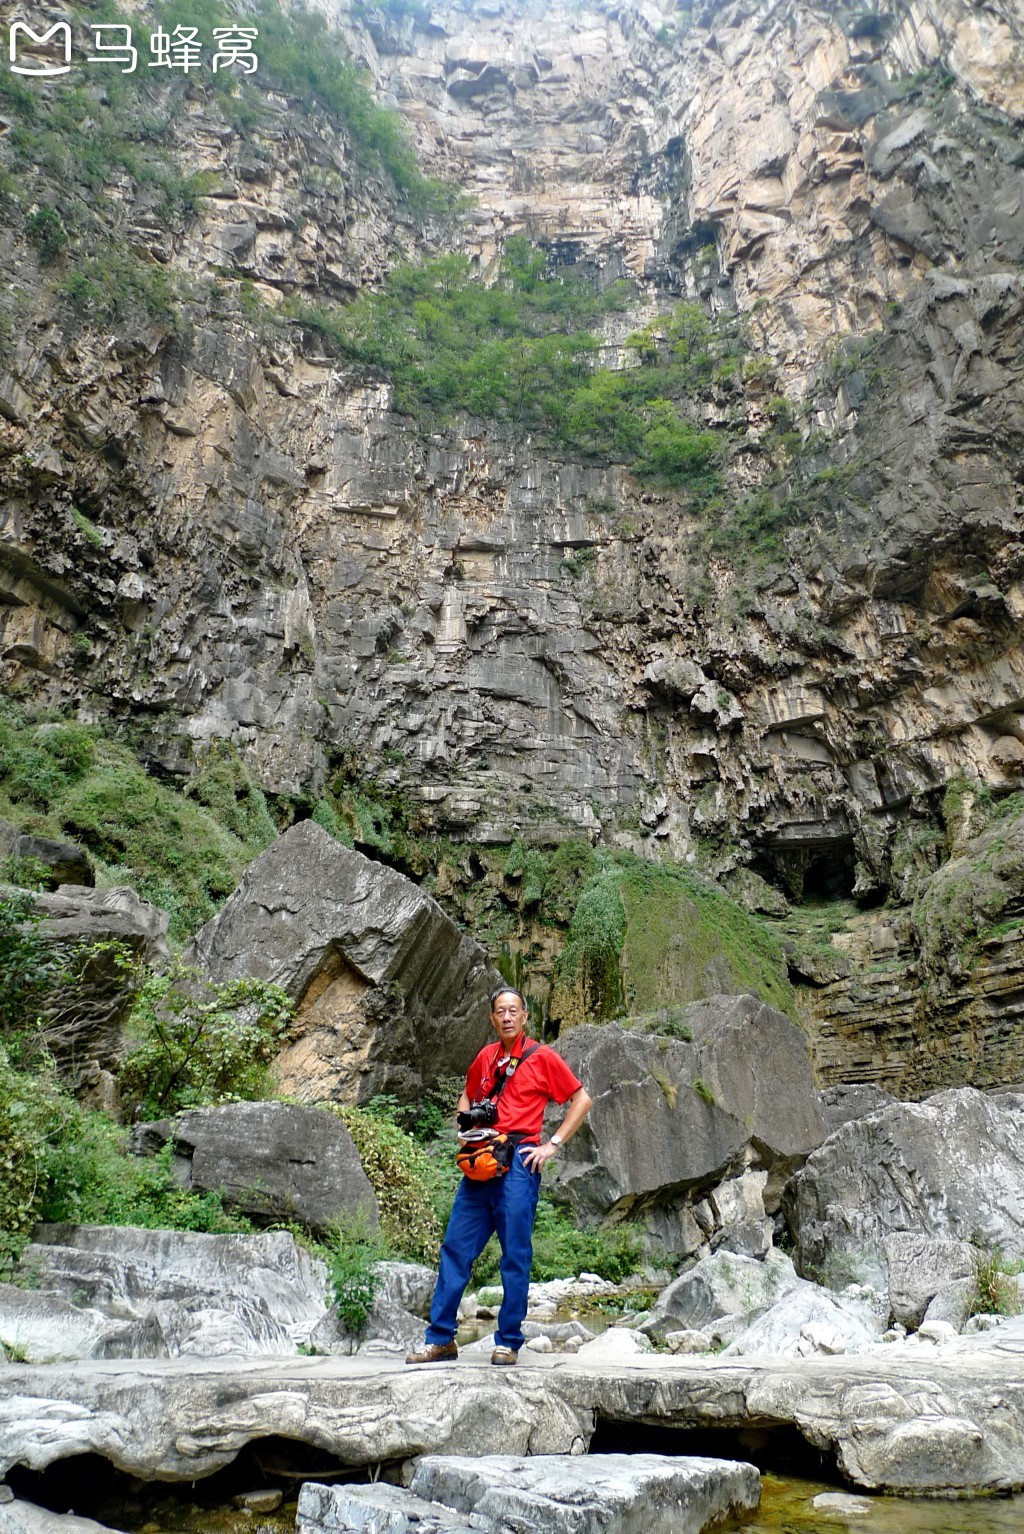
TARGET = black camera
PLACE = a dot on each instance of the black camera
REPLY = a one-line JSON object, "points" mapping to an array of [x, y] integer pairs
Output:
{"points": [[480, 1115]]}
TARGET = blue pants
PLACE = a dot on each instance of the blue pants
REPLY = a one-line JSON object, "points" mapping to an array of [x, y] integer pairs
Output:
{"points": [[507, 1205]]}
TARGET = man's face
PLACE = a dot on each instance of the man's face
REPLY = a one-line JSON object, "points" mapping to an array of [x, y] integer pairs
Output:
{"points": [[508, 1015]]}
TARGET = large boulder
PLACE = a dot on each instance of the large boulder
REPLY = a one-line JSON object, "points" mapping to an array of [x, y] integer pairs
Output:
{"points": [[389, 993], [808, 1320], [672, 1119], [83, 1023], [277, 1161], [920, 1267], [952, 1166], [120, 1292]]}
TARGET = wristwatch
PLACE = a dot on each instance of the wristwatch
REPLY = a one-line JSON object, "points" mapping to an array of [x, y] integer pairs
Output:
{"points": [[556, 1140]]}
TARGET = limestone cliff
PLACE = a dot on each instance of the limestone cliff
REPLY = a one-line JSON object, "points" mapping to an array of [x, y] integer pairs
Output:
{"points": [[216, 526]]}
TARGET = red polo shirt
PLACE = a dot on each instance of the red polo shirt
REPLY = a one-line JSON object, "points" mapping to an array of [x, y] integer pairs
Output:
{"points": [[541, 1079]]}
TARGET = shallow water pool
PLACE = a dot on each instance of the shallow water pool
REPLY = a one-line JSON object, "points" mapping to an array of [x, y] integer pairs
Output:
{"points": [[787, 1507]]}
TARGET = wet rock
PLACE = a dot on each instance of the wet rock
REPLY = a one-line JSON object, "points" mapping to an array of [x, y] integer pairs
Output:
{"points": [[911, 1169], [277, 1161], [601, 1494], [20, 1517], [389, 992]]}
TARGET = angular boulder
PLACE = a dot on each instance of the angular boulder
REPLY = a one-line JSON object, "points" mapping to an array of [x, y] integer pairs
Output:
{"points": [[389, 993], [63, 862], [276, 1161], [672, 1119], [950, 1167], [547, 1494]]}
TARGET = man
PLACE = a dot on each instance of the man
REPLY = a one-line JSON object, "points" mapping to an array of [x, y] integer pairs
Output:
{"points": [[505, 1204]]}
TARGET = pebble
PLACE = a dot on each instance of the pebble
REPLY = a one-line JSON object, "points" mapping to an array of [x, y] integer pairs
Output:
{"points": [[259, 1501]]}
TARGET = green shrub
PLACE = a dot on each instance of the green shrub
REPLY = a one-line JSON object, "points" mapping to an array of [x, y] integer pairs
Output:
{"points": [[59, 1161], [996, 1293], [351, 1248], [45, 229], [200, 1044], [59, 778], [29, 965], [402, 1176]]}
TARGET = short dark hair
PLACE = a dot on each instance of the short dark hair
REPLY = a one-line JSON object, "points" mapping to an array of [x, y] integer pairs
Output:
{"points": [[508, 990]]}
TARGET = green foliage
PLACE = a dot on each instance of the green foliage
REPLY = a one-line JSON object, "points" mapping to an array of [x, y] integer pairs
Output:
{"points": [[996, 1292], [89, 531], [588, 966], [560, 1250], [521, 350], [704, 1092], [29, 873], [29, 967], [200, 1044], [59, 1161], [402, 1176], [224, 785], [46, 231], [644, 934], [352, 1247], [59, 778]]}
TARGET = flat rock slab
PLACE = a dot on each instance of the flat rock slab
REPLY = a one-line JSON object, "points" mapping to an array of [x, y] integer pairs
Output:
{"points": [[546, 1494], [902, 1418]]}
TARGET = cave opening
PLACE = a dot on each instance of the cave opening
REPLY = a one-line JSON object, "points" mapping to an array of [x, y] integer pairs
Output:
{"points": [[776, 1449], [91, 1487]]}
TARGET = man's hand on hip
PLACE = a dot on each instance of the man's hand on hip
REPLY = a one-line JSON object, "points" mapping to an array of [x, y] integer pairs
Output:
{"points": [[534, 1156]]}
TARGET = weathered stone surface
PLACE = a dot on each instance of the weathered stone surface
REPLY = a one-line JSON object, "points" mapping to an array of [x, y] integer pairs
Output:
{"points": [[740, 1095], [801, 1322], [83, 1027], [617, 1493], [723, 1286], [389, 993], [952, 1303], [912, 1168], [177, 1292], [919, 1268], [278, 1161], [601, 1494], [900, 1418], [841, 1104], [40, 1328]]}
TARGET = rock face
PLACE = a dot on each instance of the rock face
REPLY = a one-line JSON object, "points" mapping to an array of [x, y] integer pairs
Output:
{"points": [[601, 1494], [118, 1292], [920, 1267], [276, 1161], [735, 1110], [389, 993], [84, 1030], [914, 1168], [63, 862]]}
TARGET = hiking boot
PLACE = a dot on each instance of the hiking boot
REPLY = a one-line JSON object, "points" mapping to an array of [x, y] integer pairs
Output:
{"points": [[504, 1356], [435, 1353]]}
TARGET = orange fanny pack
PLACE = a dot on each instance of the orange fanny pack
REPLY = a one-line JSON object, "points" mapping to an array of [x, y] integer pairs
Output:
{"points": [[488, 1157]]}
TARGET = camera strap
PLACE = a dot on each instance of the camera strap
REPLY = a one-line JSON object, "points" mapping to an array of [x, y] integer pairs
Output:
{"points": [[501, 1076]]}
